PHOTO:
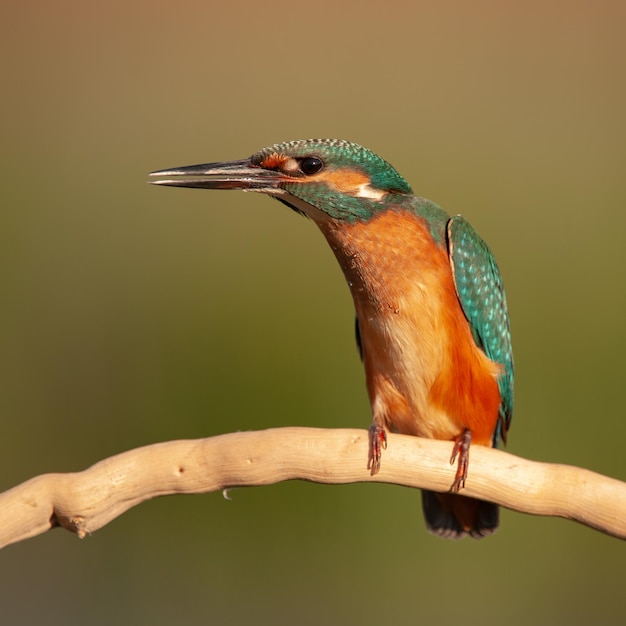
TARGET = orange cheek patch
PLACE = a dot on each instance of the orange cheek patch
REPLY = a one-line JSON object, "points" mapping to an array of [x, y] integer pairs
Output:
{"points": [[344, 180]]}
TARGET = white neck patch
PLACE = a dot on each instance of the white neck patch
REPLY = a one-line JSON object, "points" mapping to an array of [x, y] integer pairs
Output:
{"points": [[365, 190]]}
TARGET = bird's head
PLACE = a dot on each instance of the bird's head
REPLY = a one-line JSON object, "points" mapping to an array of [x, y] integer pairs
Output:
{"points": [[320, 178]]}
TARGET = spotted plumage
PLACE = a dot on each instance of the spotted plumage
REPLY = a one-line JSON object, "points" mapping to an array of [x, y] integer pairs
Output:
{"points": [[432, 322]]}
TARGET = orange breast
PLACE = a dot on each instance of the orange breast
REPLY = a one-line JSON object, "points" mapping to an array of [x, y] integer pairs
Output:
{"points": [[425, 374]]}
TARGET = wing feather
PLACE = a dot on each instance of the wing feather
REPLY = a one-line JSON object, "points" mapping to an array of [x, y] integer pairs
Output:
{"points": [[481, 294]]}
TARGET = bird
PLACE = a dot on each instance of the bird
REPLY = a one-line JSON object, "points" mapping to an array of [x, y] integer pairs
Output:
{"points": [[432, 324]]}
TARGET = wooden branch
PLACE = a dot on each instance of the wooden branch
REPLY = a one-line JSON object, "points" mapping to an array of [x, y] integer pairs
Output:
{"points": [[84, 502]]}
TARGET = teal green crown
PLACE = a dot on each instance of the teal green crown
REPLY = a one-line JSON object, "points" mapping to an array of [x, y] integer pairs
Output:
{"points": [[337, 153]]}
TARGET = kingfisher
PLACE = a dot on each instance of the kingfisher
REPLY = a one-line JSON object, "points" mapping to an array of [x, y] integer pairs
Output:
{"points": [[432, 324]]}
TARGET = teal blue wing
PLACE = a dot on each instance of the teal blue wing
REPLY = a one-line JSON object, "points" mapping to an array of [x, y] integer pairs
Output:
{"points": [[481, 293]]}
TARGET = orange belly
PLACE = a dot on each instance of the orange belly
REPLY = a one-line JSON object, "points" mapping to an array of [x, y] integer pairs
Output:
{"points": [[425, 374]]}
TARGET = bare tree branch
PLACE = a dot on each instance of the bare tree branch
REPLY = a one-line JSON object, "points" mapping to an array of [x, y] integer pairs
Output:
{"points": [[84, 502]]}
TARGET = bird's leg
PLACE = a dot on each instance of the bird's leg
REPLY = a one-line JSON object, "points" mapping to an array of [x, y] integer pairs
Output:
{"points": [[461, 449], [378, 442]]}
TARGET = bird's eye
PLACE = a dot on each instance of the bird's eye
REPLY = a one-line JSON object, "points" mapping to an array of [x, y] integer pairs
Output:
{"points": [[311, 165]]}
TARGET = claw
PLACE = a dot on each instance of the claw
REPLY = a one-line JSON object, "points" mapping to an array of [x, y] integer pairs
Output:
{"points": [[461, 449], [378, 442]]}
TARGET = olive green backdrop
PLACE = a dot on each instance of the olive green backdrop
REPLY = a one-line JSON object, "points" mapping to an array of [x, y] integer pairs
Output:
{"points": [[132, 314]]}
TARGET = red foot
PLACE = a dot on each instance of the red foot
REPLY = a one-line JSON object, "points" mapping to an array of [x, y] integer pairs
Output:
{"points": [[378, 442], [461, 449]]}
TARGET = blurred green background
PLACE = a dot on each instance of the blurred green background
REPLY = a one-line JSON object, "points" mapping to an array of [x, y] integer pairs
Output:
{"points": [[133, 314]]}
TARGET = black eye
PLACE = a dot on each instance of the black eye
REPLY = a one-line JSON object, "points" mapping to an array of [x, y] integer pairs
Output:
{"points": [[311, 165]]}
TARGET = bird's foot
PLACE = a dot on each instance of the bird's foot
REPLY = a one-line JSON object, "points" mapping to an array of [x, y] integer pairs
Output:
{"points": [[378, 442], [461, 449]]}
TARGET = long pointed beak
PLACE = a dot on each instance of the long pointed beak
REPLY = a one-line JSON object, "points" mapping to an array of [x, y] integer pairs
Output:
{"points": [[229, 175]]}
